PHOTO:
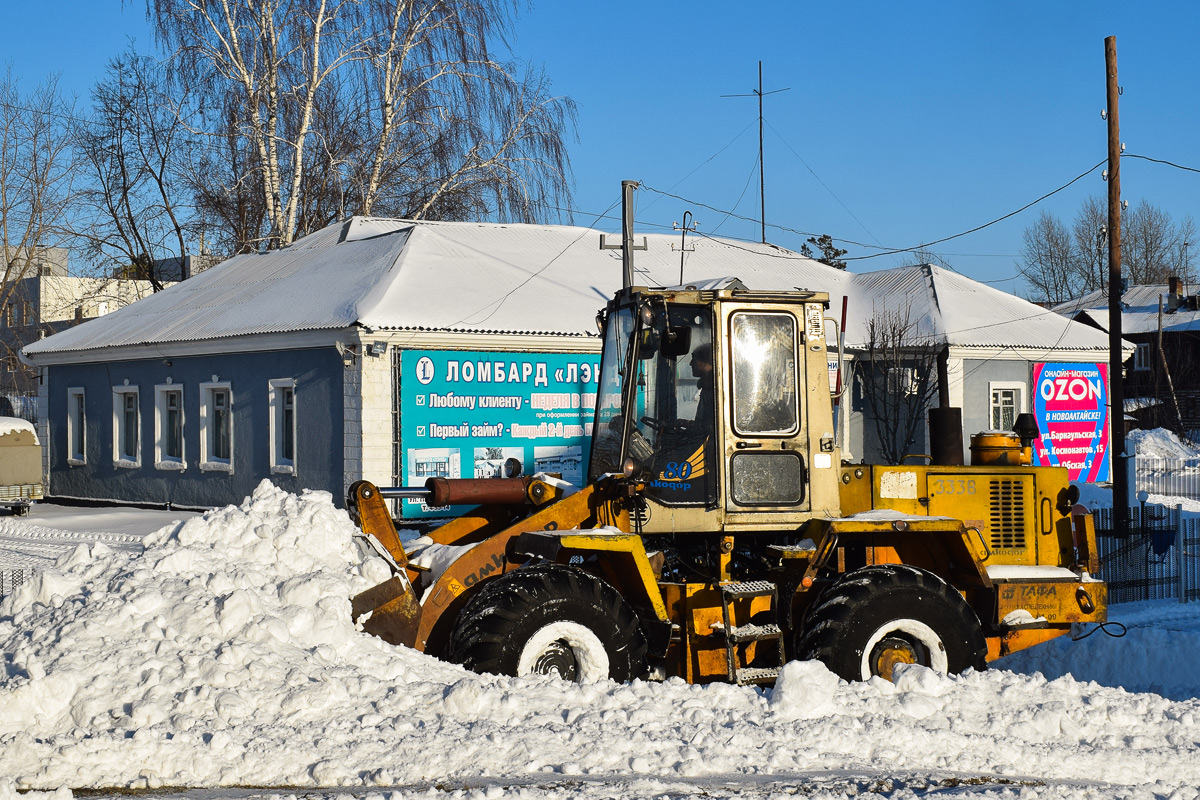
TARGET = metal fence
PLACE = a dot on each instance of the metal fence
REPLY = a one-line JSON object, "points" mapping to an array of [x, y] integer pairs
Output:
{"points": [[1158, 559], [23, 406], [10, 579], [1176, 477]]}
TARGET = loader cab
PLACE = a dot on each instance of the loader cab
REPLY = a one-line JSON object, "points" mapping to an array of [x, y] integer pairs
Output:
{"points": [[707, 397], [655, 407]]}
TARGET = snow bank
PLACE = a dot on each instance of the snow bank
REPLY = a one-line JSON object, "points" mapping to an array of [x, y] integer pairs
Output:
{"points": [[1160, 443], [224, 656], [1164, 633]]}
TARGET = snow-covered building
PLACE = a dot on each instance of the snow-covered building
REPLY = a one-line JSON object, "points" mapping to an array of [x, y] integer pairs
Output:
{"points": [[1162, 383], [392, 350]]}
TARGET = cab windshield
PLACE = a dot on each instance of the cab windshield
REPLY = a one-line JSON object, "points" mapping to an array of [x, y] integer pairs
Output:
{"points": [[663, 415]]}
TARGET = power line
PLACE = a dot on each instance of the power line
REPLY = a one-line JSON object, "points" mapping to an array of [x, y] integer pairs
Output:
{"points": [[706, 161], [823, 184], [1161, 161], [896, 250], [741, 197], [501, 300]]}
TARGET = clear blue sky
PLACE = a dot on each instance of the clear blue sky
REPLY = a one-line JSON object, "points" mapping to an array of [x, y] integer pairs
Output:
{"points": [[903, 123]]}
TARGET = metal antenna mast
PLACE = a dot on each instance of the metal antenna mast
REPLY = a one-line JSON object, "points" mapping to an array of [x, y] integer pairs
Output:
{"points": [[762, 194]]}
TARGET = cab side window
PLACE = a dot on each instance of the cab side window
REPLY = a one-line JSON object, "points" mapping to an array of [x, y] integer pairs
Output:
{"points": [[764, 374]]}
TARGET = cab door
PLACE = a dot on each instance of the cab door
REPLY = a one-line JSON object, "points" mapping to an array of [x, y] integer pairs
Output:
{"points": [[766, 440]]}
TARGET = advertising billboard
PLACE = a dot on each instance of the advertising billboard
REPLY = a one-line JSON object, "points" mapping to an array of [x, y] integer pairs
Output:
{"points": [[1071, 404], [463, 414]]}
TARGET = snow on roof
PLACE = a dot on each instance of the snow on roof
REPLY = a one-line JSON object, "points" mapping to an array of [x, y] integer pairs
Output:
{"points": [[1139, 310], [959, 311], [388, 274]]}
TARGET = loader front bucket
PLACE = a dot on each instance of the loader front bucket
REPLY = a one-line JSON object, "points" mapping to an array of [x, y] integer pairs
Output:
{"points": [[394, 613], [391, 609]]}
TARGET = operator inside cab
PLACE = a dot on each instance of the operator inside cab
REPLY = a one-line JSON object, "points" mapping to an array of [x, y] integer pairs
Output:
{"points": [[656, 402], [685, 469]]}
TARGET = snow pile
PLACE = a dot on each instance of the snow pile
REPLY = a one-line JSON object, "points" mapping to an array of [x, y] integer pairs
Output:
{"points": [[174, 660], [224, 656], [1159, 443]]}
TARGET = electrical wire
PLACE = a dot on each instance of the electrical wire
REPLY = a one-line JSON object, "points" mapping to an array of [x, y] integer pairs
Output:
{"points": [[1160, 161], [895, 250], [745, 188], [977, 228], [695, 169], [501, 300], [825, 186]]}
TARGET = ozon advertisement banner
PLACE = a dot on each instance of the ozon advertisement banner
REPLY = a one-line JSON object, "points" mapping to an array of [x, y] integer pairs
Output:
{"points": [[1070, 402], [463, 414]]}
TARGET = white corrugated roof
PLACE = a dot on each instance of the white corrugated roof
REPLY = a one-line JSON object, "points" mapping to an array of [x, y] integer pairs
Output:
{"points": [[1139, 313], [497, 278]]}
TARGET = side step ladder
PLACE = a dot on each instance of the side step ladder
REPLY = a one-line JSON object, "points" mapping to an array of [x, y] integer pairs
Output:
{"points": [[743, 634]]}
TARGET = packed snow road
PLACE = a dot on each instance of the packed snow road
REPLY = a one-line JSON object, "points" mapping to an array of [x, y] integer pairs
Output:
{"points": [[222, 656]]}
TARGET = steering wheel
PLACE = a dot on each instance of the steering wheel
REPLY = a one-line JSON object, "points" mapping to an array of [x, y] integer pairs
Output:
{"points": [[660, 427]]}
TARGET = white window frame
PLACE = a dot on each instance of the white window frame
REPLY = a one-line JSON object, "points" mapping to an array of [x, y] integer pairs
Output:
{"points": [[209, 462], [163, 460], [1141, 357], [1021, 389], [277, 395], [76, 425], [120, 460], [902, 380]]}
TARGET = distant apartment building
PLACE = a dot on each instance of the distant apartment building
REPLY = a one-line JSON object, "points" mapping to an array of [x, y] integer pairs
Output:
{"points": [[48, 300]]}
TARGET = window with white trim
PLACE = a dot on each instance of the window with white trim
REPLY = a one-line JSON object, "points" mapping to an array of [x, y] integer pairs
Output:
{"points": [[1141, 357], [282, 393], [126, 427], [1008, 400], [216, 426], [901, 380], [168, 427], [76, 426]]}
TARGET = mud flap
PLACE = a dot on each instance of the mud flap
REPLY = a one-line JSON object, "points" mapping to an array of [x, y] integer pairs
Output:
{"points": [[394, 613]]}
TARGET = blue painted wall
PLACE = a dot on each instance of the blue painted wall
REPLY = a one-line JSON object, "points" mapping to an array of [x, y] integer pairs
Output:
{"points": [[318, 374]]}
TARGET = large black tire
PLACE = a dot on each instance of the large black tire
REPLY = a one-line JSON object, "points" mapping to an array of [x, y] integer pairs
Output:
{"points": [[879, 616], [550, 619]]}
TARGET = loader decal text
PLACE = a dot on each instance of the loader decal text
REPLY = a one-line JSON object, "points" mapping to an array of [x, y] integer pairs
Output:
{"points": [[1039, 599], [495, 565], [681, 476]]}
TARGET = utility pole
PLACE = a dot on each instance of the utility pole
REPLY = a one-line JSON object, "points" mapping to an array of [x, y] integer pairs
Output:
{"points": [[627, 245], [1116, 376], [762, 180]]}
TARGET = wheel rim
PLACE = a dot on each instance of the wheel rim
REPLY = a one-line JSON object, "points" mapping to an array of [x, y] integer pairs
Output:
{"points": [[556, 659], [903, 641], [566, 649]]}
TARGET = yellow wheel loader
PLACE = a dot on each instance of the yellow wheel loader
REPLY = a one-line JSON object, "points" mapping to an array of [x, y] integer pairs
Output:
{"points": [[719, 534]]}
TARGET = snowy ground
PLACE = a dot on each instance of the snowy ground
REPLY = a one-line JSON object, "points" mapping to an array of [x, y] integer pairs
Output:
{"points": [[221, 657]]}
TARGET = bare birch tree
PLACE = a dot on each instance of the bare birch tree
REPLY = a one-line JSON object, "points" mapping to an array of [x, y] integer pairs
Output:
{"points": [[898, 375], [370, 106]]}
